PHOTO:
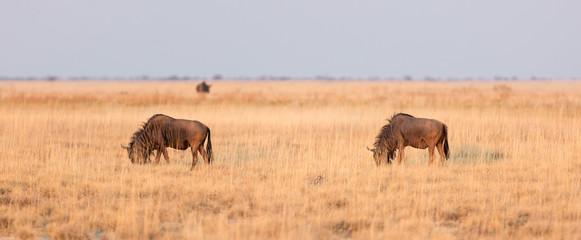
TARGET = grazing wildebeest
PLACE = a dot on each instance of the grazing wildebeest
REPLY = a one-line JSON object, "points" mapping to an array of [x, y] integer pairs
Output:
{"points": [[203, 88], [162, 131], [406, 130]]}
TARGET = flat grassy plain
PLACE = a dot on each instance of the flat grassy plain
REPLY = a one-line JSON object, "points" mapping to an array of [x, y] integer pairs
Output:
{"points": [[290, 161]]}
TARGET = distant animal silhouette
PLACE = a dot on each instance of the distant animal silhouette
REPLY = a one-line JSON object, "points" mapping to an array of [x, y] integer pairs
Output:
{"points": [[406, 130], [203, 88], [161, 131]]}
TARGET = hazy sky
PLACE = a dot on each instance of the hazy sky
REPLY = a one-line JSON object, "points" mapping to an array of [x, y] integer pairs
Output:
{"points": [[298, 38]]}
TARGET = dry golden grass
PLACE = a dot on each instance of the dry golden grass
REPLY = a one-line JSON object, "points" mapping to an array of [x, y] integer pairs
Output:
{"points": [[291, 162]]}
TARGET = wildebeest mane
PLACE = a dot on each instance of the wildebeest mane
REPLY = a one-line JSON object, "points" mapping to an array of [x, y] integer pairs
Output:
{"points": [[140, 139], [385, 141], [398, 114]]}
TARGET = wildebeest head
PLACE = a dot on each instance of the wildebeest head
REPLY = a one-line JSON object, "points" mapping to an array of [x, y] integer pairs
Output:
{"points": [[381, 156], [135, 154], [140, 147], [385, 145]]}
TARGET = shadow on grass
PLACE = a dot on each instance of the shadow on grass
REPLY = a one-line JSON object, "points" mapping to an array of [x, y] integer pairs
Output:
{"points": [[472, 154]]}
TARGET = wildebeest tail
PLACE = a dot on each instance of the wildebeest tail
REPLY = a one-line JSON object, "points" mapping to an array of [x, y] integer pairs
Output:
{"points": [[209, 147], [446, 147]]}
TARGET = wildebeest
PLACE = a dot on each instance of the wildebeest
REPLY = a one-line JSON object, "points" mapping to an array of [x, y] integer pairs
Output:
{"points": [[203, 88], [406, 130], [161, 131]]}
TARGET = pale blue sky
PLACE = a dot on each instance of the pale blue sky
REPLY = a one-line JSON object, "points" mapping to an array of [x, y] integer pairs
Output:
{"points": [[299, 38]]}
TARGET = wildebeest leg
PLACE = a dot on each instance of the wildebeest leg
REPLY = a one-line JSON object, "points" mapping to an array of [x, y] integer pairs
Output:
{"points": [[441, 152], [157, 156], [164, 151], [203, 153], [431, 149], [401, 155], [194, 156]]}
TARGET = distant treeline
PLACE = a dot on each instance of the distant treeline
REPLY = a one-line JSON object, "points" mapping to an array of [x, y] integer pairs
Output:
{"points": [[282, 78]]}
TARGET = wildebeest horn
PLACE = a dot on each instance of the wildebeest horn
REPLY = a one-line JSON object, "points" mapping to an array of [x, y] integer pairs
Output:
{"points": [[367, 146], [123, 146]]}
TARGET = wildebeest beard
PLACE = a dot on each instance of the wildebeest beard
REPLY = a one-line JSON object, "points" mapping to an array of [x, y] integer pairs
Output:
{"points": [[140, 147], [385, 145]]}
